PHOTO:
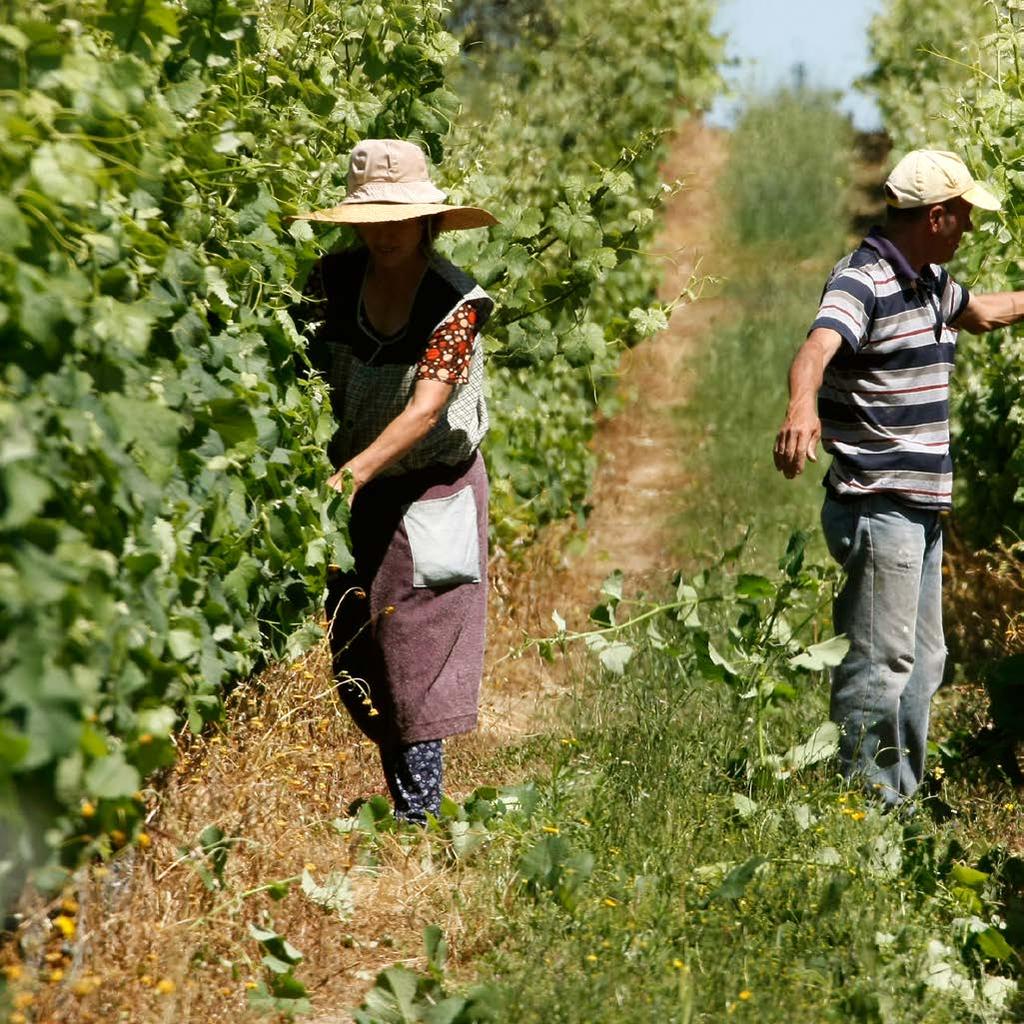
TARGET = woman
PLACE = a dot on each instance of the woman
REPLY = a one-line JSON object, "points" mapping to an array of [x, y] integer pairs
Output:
{"points": [[397, 344]]}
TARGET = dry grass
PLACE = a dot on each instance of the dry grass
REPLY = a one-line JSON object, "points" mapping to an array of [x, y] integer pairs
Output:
{"points": [[153, 944], [984, 622]]}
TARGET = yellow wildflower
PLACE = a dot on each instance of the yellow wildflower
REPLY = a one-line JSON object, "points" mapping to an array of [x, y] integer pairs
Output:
{"points": [[12, 972], [858, 815], [610, 901], [550, 829], [88, 809], [745, 994], [57, 974], [165, 986], [143, 840], [591, 958]]}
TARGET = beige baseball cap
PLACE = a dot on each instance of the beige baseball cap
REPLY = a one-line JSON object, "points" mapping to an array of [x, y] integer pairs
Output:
{"points": [[926, 176], [388, 180]]}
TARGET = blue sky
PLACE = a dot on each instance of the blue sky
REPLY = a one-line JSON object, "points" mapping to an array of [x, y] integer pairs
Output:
{"points": [[770, 37]]}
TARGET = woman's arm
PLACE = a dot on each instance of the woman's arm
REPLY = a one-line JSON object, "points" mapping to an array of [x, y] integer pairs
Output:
{"points": [[408, 428]]}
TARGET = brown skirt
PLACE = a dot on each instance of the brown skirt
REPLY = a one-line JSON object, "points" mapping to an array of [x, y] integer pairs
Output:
{"points": [[412, 649]]}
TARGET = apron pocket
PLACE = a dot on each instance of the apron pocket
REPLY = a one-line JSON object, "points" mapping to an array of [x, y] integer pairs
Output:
{"points": [[444, 540]]}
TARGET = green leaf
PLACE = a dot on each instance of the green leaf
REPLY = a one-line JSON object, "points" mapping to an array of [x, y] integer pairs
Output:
{"points": [[276, 945], [743, 805], [152, 430], [817, 657], [333, 895], [23, 493], [66, 172], [736, 882], [435, 946], [13, 745], [393, 997], [754, 587], [112, 778], [648, 322], [578, 229], [123, 324], [970, 878], [183, 644], [822, 744], [612, 587], [992, 945], [13, 227]]}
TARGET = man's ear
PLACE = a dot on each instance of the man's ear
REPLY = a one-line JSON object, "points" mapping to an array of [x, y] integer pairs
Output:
{"points": [[936, 217]]}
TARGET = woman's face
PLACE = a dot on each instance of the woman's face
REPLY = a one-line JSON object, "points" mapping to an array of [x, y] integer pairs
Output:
{"points": [[394, 243]]}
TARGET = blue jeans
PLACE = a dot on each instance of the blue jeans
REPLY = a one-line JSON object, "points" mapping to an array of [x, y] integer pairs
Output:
{"points": [[890, 608]]}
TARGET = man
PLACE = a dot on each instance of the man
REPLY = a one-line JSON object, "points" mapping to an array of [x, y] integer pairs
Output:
{"points": [[877, 360]]}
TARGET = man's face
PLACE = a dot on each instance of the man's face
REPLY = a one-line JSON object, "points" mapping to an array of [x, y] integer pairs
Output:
{"points": [[948, 222]]}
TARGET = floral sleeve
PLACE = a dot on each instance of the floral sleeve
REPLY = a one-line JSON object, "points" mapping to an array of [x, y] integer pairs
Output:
{"points": [[450, 348]]}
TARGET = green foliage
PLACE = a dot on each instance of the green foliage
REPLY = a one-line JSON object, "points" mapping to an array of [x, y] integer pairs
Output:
{"points": [[563, 138], [280, 993], [164, 527], [972, 101], [163, 520], [767, 654], [923, 57], [785, 185], [400, 996], [658, 877]]}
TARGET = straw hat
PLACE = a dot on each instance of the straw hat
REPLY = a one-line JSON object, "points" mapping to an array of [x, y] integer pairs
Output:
{"points": [[388, 181]]}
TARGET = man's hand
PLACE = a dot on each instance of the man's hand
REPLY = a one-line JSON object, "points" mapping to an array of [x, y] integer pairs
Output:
{"points": [[796, 442]]}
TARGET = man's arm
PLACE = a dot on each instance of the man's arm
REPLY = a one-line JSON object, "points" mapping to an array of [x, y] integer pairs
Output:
{"points": [[989, 312], [797, 439]]}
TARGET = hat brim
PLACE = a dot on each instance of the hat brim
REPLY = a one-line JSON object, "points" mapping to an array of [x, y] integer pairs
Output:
{"points": [[982, 197], [452, 218]]}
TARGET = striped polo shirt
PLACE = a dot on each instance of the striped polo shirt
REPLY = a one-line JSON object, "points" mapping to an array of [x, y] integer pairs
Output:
{"points": [[884, 402]]}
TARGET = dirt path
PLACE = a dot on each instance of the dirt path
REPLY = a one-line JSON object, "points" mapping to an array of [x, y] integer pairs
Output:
{"points": [[641, 476]]}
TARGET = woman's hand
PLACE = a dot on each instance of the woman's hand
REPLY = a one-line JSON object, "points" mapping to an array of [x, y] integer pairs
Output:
{"points": [[345, 480]]}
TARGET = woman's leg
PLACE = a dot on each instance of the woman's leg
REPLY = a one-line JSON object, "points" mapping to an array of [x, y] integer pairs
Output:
{"points": [[414, 774]]}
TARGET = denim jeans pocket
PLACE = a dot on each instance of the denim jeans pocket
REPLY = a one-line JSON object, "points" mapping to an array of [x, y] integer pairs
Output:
{"points": [[839, 524], [444, 540]]}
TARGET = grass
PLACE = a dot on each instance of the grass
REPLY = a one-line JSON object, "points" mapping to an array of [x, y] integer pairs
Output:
{"points": [[713, 897], [783, 192], [664, 876]]}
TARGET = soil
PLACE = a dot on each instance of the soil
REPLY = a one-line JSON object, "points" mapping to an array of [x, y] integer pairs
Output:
{"points": [[641, 477]]}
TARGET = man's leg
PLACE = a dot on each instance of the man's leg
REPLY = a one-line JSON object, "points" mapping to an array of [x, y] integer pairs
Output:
{"points": [[882, 549], [929, 662]]}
